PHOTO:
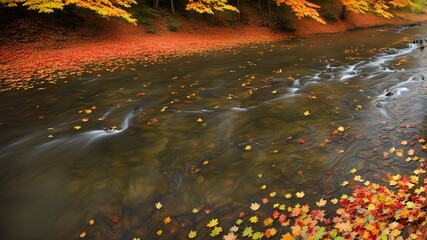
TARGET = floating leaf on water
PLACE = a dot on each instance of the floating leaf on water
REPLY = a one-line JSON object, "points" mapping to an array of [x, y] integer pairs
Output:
{"points": [[215, 231], [254, 219], [321, 202], [159, 232], [230, 236], [300, 194], [234, 228], [83, 234], [255, 206], [353, 170], [212, 223], [192, 234], [77, 127], [195, 210], [91, 222], [247, 232], [248, 148], [167, 220], [288, 195], [158, 205], [306, 113], [341, 129]]}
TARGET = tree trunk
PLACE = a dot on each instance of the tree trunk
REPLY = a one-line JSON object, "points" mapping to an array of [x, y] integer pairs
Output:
{"points": [[343, 15], [156, 4], [269, 7], [259, 4], [173, 9]]}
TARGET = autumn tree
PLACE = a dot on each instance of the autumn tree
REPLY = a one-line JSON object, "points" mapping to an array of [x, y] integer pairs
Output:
{"points": [[380, 7], [106, 8], [208, 6]]}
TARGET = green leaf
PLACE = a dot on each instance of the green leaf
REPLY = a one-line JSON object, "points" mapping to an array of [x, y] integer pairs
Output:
{"points": [[216, 231], [247, 232], [257, 235]]}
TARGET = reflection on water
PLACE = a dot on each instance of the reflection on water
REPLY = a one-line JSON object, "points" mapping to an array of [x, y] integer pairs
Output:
{"points": [[176, 133]]}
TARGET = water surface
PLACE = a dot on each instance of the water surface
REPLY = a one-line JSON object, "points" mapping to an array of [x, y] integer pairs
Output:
{"points": [[176, 132]]}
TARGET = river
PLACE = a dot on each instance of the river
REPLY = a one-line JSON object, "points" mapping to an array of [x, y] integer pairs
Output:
{"points": [[215, 132]]}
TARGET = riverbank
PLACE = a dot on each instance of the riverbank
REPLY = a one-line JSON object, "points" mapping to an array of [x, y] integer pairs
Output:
{"points": [[32, 49]]}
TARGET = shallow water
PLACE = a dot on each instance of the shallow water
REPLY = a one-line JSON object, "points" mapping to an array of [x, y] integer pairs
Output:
{"points": [[176, 132]]}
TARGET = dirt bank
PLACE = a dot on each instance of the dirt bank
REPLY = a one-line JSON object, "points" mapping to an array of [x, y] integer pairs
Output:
{"points": [[32, 48]]}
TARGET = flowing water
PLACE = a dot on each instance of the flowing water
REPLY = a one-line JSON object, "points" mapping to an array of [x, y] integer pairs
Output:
{"points": [[177, 132]]}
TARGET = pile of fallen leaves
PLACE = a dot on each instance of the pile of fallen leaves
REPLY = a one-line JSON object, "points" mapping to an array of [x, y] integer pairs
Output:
{"points": [[393, 209]]}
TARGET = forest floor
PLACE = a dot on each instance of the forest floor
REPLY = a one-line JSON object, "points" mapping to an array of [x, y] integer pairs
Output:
{"points": [[47, 49]]}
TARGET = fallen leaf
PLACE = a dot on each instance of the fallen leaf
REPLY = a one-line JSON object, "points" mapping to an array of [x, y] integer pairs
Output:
{"points": [[229, 236], [91, 222], [254, 219], [321, 202], [216, 231], [300, 194], [167, 220], [159, 232], [83, 234], [255, 206], [212, 223], [248, 148], [306, 113], [158, 205]]}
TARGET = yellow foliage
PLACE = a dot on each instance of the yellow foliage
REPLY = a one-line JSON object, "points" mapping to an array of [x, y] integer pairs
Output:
{"points": [[106, 8], [379, 7], [303, 8], [207, 6]]}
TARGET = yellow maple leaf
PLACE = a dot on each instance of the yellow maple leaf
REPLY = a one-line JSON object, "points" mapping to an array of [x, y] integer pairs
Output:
{"points": [[404, 143], [306, 113], [199, 120], [354, 170], [254, 219], [345, 183], [341, 129], [160, 232], [399, 153], [341, 151], [91, 222], [392, 150], [83, 234], [212, 223], [77, 127], [334, 201], [263, 187], [273, 194], [248, 148], [288, 195], [192, 234]]}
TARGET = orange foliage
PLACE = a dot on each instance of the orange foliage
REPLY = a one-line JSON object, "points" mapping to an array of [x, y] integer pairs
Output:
{"points": [[303, 8], [105, 8], [207, 6]]}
